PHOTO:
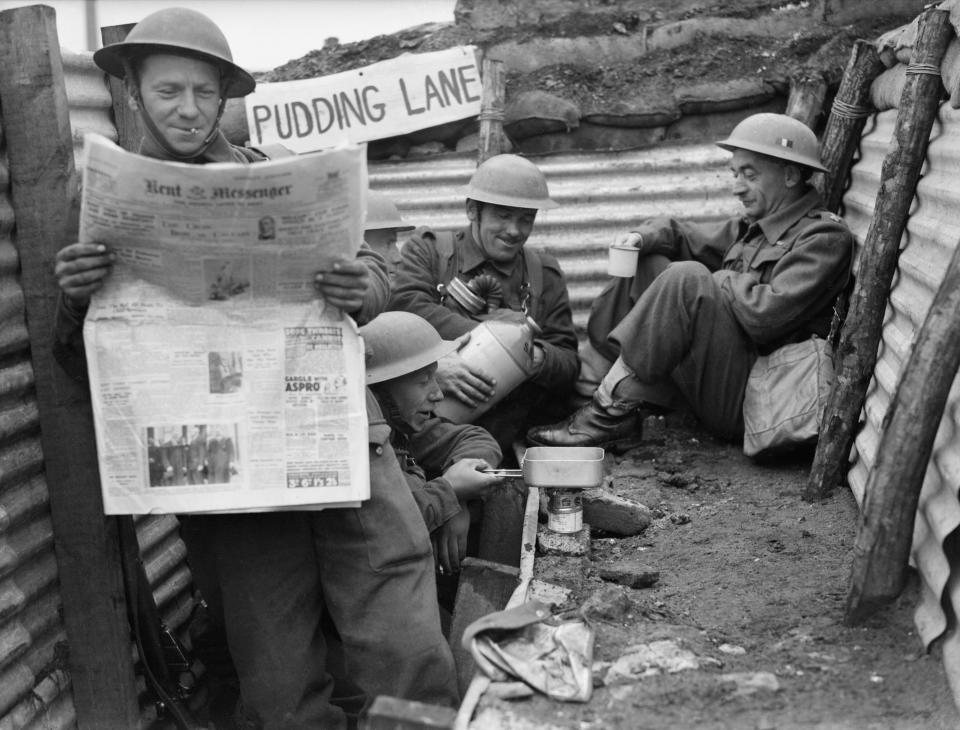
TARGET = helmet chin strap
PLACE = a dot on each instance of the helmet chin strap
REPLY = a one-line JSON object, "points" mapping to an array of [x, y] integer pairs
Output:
{"points": [[157, 136]]}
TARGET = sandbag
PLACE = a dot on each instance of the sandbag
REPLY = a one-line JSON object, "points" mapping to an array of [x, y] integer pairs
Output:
{"points": [[639, 110], [530, 113], [950, 72], [887, 88], [592, 137], [895, 46], [713, 97]]}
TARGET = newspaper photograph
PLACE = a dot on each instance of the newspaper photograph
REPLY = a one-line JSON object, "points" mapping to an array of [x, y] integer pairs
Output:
{"points": [[220, 379]]}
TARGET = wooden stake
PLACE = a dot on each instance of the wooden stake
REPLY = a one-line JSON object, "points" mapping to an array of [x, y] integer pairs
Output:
{"points": [[43, 184], [882, 549], [856, 353], [491, 110], [805, 102], [849, 113], [126, 120]]}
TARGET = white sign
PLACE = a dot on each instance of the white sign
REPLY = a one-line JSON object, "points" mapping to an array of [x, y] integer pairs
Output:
{"points": [[385, 99]]}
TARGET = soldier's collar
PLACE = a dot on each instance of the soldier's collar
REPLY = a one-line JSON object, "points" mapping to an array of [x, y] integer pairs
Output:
{"points": [[776, 225]]}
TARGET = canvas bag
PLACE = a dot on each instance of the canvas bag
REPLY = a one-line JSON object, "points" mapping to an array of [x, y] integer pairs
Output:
{"points": [[786, 396]]}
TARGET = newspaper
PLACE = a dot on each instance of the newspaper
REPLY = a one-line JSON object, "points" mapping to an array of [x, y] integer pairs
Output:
{"points": [[219, 380]]}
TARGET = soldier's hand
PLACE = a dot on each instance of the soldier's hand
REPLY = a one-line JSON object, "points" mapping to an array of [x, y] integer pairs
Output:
{"points": [[344, 285], [468, 481], [80, 270], [631, 239], [450, 541], [466, 383]]}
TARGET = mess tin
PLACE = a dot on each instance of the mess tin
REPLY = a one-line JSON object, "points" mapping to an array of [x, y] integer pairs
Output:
{"points": [[565, 467]]}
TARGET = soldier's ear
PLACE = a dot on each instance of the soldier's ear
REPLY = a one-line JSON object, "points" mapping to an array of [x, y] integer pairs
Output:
{"points": [[473, 211], [792, 175]]}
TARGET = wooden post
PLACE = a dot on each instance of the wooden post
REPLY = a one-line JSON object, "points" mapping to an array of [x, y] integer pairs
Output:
{"points": [[848, 115], [807, 93], [43, 184], [882, 549], [484, 588], [491, 110], [856, 353], [126, 120]]}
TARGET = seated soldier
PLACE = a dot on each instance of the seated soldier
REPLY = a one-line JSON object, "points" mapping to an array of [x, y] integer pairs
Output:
{"points": [[380, 231], [503, 198], [708, 298], [442, 461]]}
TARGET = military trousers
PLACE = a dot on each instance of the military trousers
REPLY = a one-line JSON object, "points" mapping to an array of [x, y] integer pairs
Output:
{"points": [[681, 337]]}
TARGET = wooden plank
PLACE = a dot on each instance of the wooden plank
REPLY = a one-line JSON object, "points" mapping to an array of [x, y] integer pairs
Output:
{"points": [[484, 588], [881, 552], [856, 352], [393, 713], [502, 526], [43, 184]]}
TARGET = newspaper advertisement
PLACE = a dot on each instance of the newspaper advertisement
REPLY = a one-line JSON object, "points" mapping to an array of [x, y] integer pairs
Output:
{"points": [[220, 381]]}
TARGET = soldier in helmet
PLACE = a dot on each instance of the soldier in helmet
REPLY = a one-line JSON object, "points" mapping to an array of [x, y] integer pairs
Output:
{"points": [[503, 198], [272, 579], [380, 231], [442, 460], [708, 298]]}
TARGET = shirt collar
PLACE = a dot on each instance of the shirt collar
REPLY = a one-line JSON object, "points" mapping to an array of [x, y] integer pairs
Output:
{"points": [[777, 224], [472, 256]]}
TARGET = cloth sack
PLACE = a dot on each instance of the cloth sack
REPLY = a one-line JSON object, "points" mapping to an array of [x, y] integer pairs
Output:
{"points": [[527, 643], [786, 396]]}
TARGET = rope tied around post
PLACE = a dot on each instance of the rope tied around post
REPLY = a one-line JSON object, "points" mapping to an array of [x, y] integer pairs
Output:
{"points": [[850, 111], [923, 68], [491, 115]]}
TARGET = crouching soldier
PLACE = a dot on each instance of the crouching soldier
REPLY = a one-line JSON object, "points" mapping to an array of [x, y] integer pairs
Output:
{"points": [[438, 268], [442, 461]]}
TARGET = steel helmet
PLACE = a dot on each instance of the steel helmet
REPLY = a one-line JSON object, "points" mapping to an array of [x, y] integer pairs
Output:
{"points": [[177, 30], [510, 180], [382, 213], [398, 343], [776, 135]]}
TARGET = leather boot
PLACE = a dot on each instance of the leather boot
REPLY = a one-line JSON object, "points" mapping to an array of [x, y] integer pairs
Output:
{"points": [[592, 425]]}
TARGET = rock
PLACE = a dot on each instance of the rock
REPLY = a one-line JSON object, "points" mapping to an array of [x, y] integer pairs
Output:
{"points": [[644, 660], [563, 543], [610, 603], [604, 510], [541, 590], [627, 572]]}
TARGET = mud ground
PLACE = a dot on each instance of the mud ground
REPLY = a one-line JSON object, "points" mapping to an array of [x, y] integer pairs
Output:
{"points": [[752, 583]]}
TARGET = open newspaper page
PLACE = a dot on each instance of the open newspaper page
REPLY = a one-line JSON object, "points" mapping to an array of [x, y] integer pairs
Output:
{"points": [[219, 380]]}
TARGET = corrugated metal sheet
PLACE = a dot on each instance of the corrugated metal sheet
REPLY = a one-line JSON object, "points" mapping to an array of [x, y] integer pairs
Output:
{"points": [[34, 688], [163, 551], [600, 194], [932, 235]]}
